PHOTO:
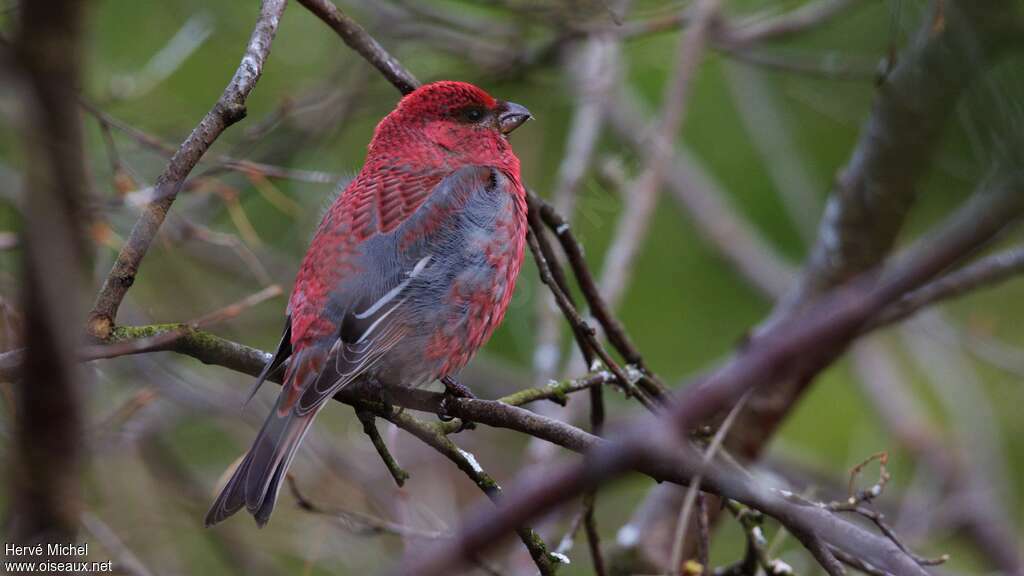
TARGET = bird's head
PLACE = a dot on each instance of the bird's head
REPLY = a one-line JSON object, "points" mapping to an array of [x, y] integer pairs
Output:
{"points": [[463, 122]]}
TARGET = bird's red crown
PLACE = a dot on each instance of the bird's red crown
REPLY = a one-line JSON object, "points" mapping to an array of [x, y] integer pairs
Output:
{"points": [[446, 124]]}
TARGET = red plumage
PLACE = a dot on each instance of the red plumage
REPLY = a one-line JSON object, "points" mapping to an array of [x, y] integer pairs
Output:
{"points": [[383, 195], [409, 273]]}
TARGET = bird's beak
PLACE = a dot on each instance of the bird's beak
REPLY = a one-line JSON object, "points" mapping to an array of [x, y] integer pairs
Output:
{"points": [[512, 116]]}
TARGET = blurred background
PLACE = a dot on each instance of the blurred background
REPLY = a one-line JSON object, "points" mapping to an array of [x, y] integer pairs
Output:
{"points": [[767, 128]]}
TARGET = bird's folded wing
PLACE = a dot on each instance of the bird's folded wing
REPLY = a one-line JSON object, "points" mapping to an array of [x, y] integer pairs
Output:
{"points": [[382, 312]]}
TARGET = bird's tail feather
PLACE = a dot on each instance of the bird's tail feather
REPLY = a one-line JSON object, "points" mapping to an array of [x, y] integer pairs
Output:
{"points": [[257, 479]]}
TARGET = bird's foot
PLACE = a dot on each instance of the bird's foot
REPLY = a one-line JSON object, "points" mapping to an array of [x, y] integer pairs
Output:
{"points": [[454, 390]]}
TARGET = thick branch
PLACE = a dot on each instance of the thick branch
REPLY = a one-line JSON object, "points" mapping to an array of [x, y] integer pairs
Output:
{"points": [[875, 191], [46, 457]]}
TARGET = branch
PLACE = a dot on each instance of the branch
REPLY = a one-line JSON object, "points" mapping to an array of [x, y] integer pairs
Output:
{"points": [[794, 349], [983, 273], [642, 195], [875, 191], [212, 349], [673, 464], [613, 328], [752, 256], [586, 336], [873, 194], [435, 437], [756, 556], [370, 429], [224, 162], [45, 460], [357, 39], [714, 218], [230, 108], [552, 275], [781, 352]]}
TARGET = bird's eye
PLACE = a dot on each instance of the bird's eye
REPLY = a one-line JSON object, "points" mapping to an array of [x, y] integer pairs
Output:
{"points": [[471, 114]]}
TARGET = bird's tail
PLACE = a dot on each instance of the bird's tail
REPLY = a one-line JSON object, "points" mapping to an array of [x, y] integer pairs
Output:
{"points": [[257, 479]]}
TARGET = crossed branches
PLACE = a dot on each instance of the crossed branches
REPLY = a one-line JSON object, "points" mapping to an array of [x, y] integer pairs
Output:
{"points": [[830, 310]]}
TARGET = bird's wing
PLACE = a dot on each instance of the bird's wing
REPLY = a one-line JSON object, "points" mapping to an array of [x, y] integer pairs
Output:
{"points": [[414, 264], [335, 269]]}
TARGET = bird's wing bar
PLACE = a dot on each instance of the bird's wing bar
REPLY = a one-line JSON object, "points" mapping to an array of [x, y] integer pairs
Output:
{"points": [[348, 362], [394, 292]]}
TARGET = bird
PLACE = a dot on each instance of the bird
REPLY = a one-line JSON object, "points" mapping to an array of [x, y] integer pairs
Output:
{"points": [[408, 274]]}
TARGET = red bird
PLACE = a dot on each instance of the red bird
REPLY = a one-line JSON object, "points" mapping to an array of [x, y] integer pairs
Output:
{"points": [[410, 271]]}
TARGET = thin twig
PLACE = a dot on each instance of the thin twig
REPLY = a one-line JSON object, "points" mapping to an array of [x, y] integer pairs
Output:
{"points": [[566, 543], [558, 391], [356, 38], [703, 534], [161, 339], [597, 417], [232, 311], [755, 556], [983, 273], [599, 307], [163, 148], [434, 437], [359, 522], [593, 537], [683, 522], [551, 269], [586, 334], [857, 502], [642, 196], [370, 429]]}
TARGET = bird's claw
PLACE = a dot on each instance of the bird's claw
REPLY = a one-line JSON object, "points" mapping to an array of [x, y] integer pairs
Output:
{"points": [[442, 410], [444, 416], [453, 390]]}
